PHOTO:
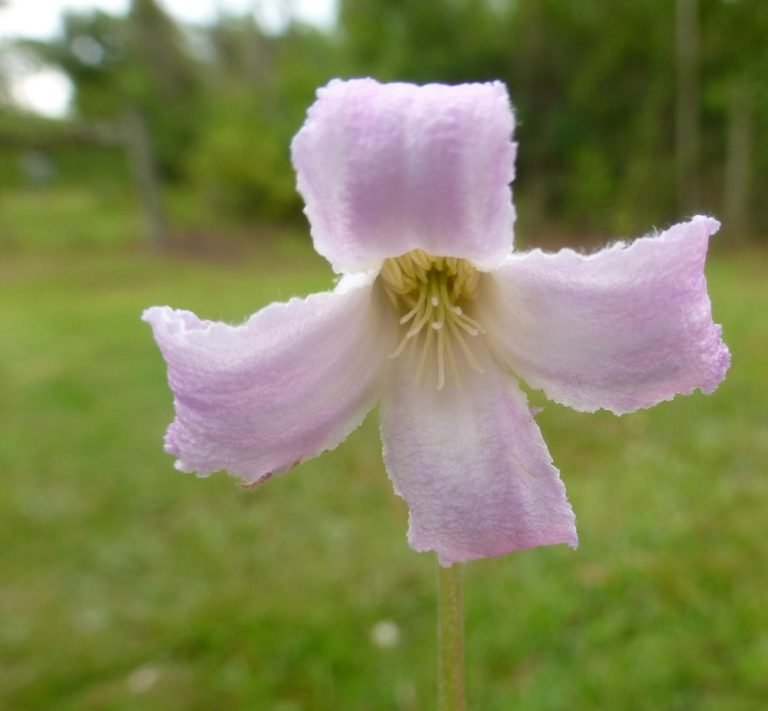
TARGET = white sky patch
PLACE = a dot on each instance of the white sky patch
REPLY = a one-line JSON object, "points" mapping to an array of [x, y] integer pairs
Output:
{"points": [[46, 91], [274, 15], [49, 92], [42, 18]]}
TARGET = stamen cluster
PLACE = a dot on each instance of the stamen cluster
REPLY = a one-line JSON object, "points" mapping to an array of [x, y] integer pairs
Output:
{"points": [[432, 293]]}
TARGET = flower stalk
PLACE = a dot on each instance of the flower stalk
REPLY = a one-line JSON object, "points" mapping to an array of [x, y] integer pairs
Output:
{"points": [[450, 639]]}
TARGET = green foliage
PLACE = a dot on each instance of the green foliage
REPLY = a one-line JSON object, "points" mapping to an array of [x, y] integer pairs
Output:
{"points": [[454, 40], [161, 81], [242, 162], [594, 87], [259, 90], [593, 121], [92, 51], [735, 57], [137, 62]]}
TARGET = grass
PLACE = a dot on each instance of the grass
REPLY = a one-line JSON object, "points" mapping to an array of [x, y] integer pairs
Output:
{"points": [[127, 585], [67, 218]]}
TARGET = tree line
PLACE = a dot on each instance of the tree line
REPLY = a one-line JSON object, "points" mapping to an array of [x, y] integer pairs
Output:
{"points": [[630, 112]]}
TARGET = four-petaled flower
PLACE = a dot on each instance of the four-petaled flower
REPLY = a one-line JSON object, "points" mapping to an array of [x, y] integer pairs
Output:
{"points": [[407, 192]]}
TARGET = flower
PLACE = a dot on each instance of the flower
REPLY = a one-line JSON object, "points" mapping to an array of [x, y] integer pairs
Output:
{"points": [[407, 192]]}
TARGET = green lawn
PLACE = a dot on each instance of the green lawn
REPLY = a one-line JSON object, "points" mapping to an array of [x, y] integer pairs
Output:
{"points": [[126, 585]]}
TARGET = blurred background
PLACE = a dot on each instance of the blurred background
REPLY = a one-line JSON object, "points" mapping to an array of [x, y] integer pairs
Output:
{"points": [[144, 159]]}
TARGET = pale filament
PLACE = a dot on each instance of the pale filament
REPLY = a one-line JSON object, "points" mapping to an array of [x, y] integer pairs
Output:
{"points": [[428, 292]]}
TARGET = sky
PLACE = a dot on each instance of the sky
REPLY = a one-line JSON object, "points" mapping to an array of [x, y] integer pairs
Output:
{"points": [[48, 91]]}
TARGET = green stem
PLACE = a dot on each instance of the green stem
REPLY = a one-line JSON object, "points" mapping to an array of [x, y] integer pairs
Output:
{"points": [[450, 639]]}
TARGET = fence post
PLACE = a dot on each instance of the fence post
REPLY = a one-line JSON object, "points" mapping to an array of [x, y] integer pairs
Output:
{"points": [[687, 128], [738, 162], [139, 153]]}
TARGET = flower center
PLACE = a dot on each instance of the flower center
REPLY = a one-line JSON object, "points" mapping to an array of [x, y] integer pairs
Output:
{"points": [[432, 293]]}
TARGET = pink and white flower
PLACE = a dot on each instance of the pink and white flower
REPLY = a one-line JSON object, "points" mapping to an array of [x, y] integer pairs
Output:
{"points": [[434, 316]]}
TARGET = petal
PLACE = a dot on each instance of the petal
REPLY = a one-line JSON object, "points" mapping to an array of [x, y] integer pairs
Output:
{"points": [[291, 382], [472, 466], [385, 168], [622, 329]]}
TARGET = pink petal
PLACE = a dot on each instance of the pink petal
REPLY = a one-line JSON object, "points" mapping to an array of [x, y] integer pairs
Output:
{"points": [[385, 168], [291, 382], [472, 466], [622, 329]]}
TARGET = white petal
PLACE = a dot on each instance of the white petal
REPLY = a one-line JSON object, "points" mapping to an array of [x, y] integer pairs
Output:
{"points": [[472, 465], [386, 168], [622, 329], [291, 382]]}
